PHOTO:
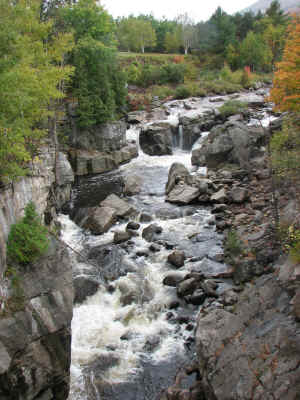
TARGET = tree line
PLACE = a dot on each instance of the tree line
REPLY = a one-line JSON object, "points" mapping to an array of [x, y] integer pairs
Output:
{"points": [[255, 40]]}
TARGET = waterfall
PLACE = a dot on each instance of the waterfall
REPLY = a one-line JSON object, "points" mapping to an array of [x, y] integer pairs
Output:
{"points": [[180, 134]]}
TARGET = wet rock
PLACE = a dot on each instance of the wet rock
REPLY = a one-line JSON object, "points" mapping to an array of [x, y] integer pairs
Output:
{"points": [[84, 286], [145, 217], [177, 173], [99, 219], [121, 207], [197, 298], [176, 258], [238, 195], [166, 212], [212, 269], [121, 236], [172, 279], [188, 286], [155, 248], [156, 139], [174, 305], [183, 194], [152, 343], [142, 253], [151, 231], [132, 185], [132, 225]]}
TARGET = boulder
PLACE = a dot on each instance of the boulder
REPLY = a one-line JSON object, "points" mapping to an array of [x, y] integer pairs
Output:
{"points": [[150, 232], [178, 173], [156, 139], [183, 194], [172, 279], [99, 219], [121, 207], [132, 184], [121, 236], [233, 142], [176, 258], [238, 195], [198, 297], [132, 225], [84, 286], [145, 217], [219, 197], [187, 287]]}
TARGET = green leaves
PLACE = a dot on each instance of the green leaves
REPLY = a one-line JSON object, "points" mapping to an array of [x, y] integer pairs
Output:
{"points": [[31, 70], [28, 239]]}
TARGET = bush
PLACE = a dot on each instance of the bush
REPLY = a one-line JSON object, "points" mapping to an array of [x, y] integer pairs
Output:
{"points": [[233, 245], [28, 239], [232, 107], [182, 92]]}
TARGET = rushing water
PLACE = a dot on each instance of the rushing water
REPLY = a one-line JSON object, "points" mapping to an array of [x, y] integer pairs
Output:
{"points": [[126, 344]]}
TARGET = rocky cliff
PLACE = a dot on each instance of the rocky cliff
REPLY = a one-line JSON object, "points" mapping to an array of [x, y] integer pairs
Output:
{"points": [[36, 303]]}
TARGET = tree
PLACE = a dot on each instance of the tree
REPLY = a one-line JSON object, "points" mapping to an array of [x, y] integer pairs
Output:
{"points": [[187, 31], [31, 70], [255, 53], [286, 85], [172, 41]]}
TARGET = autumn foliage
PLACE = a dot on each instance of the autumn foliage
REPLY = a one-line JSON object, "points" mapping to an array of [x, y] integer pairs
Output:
{"points": [[286, 87]]}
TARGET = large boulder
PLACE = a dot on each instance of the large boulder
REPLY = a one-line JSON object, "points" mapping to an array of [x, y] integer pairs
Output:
{"points": [[257, 346], [183, 194], [121, 207], [156, 139], [178, 173], [233, 142], [193, 125], [99, 219], [84, 286]]}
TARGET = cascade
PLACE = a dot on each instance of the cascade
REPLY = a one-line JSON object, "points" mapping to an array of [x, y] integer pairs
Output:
{"points": [[126, 337]]}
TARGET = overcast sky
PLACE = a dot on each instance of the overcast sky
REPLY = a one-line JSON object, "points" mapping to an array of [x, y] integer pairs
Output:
{"points": [[199, 10]]}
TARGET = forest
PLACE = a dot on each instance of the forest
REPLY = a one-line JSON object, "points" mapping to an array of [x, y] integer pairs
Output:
{"points": [[59, 52]]}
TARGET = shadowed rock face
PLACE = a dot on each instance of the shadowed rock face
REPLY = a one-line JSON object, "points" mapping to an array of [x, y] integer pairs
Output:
{"points": [[254, 352], [35, 342], [156, 140]]}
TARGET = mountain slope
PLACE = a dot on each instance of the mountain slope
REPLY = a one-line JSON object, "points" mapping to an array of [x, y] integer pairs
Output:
{"points": [[286, 5]]}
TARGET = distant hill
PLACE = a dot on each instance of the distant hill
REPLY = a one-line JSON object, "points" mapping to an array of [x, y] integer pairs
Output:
{"points": [[286, 5]]}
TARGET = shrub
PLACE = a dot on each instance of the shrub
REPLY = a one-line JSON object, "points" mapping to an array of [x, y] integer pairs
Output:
{"points": [[232, 107], [182, 92], [28, 239], [233, 245]]}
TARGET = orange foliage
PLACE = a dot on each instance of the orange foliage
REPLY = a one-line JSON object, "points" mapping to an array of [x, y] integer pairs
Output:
{"points": [[178, 59], [247, 70], [286, 86]]}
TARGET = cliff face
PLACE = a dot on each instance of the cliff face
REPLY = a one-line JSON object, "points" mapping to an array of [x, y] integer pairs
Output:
{"points": [[35, 323], [35, 340]]}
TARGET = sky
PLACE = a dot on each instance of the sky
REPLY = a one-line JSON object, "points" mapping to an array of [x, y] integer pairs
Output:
{"points": [[198, 10]]}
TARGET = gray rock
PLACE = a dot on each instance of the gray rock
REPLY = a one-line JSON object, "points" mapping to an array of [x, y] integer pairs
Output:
{"points": [[232, 142], [155, 248], [229, 298], [212, 269], [172, 279], [183, 194], [248, 343], [136, 117], [121, 236], [132, 185], [177, 173], [187, 287], [198, 297], [145, 217], [176, 258], [156, 139], [99, 219], [219, 197], [150, 232], [84, 286], [133, 225], [238, 194], [64, 170], [121, 207]]}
